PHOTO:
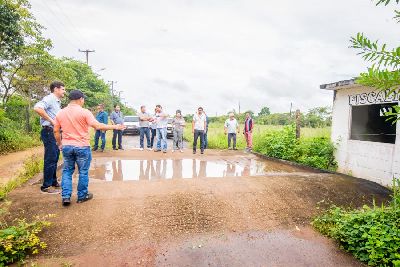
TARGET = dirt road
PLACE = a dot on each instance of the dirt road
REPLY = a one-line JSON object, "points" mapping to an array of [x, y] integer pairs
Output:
{"points": [[224, 208]]}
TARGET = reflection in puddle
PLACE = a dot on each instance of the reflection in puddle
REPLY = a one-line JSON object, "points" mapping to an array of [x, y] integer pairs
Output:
{"points": [[126, 170]]}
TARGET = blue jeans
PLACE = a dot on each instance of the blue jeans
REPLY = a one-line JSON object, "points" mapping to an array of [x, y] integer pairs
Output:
{"points": [[205, 140], [197, 134], [162, 139], [81, 156], [51, 155], [97, 135], [144, 131], [153, 136]]}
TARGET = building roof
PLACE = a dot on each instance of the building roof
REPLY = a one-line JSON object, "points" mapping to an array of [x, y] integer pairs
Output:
{"points": [[339, 85]]}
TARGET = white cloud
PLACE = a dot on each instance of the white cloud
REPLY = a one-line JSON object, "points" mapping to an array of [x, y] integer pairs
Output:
{"points": [[186, 53]]}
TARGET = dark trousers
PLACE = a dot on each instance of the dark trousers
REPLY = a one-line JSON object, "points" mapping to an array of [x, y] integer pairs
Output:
{"points": [[51, 155], [153, 136], [230, 137], [197, 134], [97, 135], [144, 131], [117, 133]]}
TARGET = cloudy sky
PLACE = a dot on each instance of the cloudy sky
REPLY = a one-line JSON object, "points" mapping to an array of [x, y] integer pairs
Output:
{"points": [[186, 53]]}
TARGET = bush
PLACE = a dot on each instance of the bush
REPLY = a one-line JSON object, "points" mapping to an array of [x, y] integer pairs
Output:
{"points": [[372, 235], [13, 138], [20, 240], [316, 152]]}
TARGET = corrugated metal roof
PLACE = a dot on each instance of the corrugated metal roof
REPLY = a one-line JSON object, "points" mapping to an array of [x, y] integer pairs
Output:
{"points": [[338, 85]]}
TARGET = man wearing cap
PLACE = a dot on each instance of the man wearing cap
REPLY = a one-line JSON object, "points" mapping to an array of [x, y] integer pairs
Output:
{"points": [[74, 120], [47, 109]]}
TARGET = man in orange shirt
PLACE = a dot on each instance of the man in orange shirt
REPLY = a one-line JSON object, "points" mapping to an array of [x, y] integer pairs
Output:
{"points": [[74, 121]]}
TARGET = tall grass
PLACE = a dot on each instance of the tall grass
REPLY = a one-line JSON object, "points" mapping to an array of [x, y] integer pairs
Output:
{"points": [[218, 140]]}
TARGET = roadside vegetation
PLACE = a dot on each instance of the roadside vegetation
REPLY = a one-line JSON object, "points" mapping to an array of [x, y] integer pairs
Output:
{"points": [[371, 234], [20, 238]]}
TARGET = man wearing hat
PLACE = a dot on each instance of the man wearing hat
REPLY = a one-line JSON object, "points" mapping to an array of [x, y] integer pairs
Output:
{"points": [[74, 120]]}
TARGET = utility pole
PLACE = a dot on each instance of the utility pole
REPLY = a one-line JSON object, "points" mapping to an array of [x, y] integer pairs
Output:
{"points": [[290, 113], [112, 89], [239, 107], [87, 51]]}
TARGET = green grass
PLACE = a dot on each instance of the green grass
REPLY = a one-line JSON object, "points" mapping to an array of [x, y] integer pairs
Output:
{"points": [[218, 140]]}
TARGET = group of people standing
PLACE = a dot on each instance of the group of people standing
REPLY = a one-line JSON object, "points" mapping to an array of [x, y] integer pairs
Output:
{"points": [[67, 130]]}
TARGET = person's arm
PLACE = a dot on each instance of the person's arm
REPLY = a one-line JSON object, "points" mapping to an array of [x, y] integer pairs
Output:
{"points": [[42, 113], [91, 121], [104, 127], [57, 134], [40, 107], [193, 122], [205, 125], [237, 127]]}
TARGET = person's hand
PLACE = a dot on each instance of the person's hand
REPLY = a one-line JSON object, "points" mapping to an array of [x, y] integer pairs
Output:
{"points": [[193, 131], [121, 127], [225, 133], [53, 122], [60, 147]]}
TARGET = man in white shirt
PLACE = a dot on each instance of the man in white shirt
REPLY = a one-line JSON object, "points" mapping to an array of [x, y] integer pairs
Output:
{"points": [[231, 127], [199, 125]]}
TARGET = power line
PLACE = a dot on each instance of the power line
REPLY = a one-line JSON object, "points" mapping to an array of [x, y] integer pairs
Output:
{"points": [[81, 37], [56, 30], [59, 22]]}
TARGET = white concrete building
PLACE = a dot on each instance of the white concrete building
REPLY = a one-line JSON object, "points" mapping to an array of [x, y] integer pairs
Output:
{"points": [[368, 146]]}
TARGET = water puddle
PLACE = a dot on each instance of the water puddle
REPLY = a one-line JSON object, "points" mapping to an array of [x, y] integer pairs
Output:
{"points": [[134, 170]]}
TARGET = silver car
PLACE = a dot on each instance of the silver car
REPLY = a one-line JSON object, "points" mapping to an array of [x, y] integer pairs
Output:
{"points": [[132, 125]]}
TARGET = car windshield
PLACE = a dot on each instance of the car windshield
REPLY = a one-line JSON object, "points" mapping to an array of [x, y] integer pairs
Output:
{"points": [[131, 119]]}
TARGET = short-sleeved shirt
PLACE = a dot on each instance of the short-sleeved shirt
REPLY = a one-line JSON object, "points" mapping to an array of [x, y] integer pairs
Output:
{"points": [[178, 123], [75, 122], [144, 115], [117, 117], [51, 105], [199, 121], [153, 124], [231, 125], [162, 121], [102, 117]]}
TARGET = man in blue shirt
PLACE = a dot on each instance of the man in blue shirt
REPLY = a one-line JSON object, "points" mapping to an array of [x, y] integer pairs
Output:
{"points": [[101, 117], [47, 109], [117, 117]]}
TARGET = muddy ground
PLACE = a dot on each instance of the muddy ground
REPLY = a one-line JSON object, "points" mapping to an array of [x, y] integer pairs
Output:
{"points": [[217, 209]]}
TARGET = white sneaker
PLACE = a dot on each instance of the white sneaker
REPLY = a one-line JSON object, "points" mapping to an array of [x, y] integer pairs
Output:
{"points": [[149, 149], [181, 150], [173, 151], [141, 149]]}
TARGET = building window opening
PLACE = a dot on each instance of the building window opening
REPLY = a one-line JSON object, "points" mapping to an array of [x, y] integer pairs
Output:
{"points": [[369, 123]]}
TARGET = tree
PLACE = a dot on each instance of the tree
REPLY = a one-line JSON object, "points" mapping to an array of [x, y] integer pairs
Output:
{"points": [[29, 44], [264, 111], [384, 72]]}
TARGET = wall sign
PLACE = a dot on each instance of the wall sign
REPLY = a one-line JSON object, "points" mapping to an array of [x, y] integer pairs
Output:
{"points": [[378, 97]]}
